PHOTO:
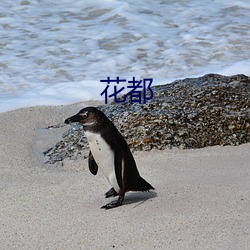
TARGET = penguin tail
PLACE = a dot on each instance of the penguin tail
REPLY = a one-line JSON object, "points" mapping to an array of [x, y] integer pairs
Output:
{"points": [[141, 185]]}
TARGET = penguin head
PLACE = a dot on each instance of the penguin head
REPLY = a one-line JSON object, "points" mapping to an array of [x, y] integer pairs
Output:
{"points": [[88, 117]]}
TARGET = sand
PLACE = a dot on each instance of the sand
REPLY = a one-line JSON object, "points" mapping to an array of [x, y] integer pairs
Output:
{"points": [[201, 200]]}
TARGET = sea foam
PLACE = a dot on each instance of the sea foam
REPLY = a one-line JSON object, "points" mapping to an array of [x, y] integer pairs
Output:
{"points": [[56, 53]]}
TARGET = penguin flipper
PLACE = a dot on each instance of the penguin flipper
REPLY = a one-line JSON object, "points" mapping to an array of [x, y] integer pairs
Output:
{"points": [[118, 166], [93, 167]]}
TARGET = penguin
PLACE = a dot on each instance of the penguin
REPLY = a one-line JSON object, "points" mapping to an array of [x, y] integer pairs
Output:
{"points": [[110, 152]]}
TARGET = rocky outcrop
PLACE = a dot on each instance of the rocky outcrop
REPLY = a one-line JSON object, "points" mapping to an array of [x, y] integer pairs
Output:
{"points": [[190, 113]]}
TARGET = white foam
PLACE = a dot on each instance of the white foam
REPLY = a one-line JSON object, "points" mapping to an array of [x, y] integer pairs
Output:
{"points": [[242, 67], [56, 53]]}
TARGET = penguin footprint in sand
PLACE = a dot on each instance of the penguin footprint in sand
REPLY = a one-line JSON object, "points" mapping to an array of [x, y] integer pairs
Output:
{"points": [[110, 152]]}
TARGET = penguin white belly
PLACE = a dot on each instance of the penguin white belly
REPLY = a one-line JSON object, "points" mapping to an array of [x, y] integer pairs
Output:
{"points": [[104, 157]]}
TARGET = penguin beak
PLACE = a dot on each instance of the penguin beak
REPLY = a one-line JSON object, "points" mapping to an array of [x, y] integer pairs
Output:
{"points": [[74, 118]]}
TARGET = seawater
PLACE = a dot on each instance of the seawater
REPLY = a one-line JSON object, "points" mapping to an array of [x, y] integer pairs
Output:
{"points": [[56, 52]]}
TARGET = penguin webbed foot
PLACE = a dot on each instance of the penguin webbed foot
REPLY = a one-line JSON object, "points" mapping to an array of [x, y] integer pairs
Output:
{"points": [[115, 203], [111, 193]]}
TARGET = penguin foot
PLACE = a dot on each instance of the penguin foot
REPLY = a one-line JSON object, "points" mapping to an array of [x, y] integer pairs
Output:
{"points": [[113, 204], [111, 193]]}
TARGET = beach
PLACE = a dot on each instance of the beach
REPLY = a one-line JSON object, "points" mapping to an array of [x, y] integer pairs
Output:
{"points": [[201, 198], [54, 60]]}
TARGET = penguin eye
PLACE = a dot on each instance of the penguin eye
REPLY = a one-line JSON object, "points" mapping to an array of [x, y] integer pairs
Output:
{"points": [[84, 115]]}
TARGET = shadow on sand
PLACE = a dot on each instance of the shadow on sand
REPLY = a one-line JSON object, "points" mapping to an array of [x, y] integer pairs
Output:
{"points": [[138, 198]]}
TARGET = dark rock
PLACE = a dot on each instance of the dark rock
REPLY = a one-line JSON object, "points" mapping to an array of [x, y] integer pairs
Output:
{"points": [[190, 113]]}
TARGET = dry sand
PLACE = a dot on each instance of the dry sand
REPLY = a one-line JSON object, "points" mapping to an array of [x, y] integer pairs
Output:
{"points": [[201, 201]]}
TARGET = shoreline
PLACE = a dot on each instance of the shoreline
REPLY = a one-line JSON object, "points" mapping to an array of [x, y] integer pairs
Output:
{"points": [[201, 198]]}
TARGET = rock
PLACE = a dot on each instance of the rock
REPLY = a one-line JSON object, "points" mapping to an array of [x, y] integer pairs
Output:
{"points": [[190, 113]]}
